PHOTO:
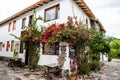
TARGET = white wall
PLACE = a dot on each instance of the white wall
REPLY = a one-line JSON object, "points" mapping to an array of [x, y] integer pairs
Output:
{"points": [[67, 8], [103, 57]]}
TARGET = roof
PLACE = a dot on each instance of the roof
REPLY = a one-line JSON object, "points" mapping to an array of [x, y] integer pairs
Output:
{"points": [[80, 3], [101, 26], [85, 8]]}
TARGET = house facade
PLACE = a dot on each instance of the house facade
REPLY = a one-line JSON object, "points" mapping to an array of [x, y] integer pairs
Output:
{"points": [[53, 11]]}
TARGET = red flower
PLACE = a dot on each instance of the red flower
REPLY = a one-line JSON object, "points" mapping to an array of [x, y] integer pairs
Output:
{"points": [[53, 25], [78, 71], [62, 25], [81, 58], [46, 32], [57, 29]]}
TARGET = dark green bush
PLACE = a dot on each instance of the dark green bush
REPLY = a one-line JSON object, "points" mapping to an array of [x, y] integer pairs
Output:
{"points": [[94, 64], [83, 68], [95, 57], [109, 59]]}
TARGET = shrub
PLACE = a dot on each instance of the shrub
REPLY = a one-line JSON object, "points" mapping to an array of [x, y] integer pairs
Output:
{"points": [[95, 57], [83, 68], [109, 59], [94, 64]]}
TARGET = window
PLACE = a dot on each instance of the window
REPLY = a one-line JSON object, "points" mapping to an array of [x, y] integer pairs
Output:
{"points": [[22, 47], [8, 45], [0, 46], [23, 23], [71, 51], [86, 21], [22, 44], [14, 25], [9, 26], [12, 45], [52, 13], [30, 19], [52, 49], [92, 24]]}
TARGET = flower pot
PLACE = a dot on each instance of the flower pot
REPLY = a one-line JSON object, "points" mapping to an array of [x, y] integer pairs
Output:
{"points": [[72, 78], [96, 70]]}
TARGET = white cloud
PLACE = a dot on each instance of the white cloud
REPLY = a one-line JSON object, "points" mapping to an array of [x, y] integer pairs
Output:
{"points": [[108, 12], [10, 7]]}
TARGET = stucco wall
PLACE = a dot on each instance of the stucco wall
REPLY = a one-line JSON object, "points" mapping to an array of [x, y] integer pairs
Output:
{"points": [[67, 8]]}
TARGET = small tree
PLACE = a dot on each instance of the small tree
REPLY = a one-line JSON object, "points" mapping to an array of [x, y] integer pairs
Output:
{"points": [[32, 37], [99, 44], [115, 48]]}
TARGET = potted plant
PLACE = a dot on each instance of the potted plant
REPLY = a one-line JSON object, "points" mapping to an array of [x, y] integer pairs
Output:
{"points": [[73, 76], [73, 70], [94, 65]]}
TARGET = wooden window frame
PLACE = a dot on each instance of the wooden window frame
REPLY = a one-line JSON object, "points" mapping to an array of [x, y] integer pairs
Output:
{"points": [[57, 8], [9, 27], [23, 23], [14, 25], [8, 45], [30, 18], [1, 46], [56, 44], [12, 45]]}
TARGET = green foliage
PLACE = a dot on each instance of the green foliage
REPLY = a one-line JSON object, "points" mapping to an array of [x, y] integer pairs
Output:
{"points": [[115, 44], [94, 64], [115, 48], [97, 43], [83, 68], [109, 59], [32, 36], [95, 57], [33, 42]]}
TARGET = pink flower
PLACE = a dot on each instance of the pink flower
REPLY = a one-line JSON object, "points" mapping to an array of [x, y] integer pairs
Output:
{"points": [[69, 18], [69, 45], [76, 22]]}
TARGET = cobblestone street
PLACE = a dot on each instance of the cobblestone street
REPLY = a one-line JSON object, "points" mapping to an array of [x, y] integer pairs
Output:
{"points": [[111, 71]]}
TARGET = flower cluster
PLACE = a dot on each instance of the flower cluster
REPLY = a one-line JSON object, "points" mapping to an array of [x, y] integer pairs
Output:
{"points": [[51, 33], [71, 31]]}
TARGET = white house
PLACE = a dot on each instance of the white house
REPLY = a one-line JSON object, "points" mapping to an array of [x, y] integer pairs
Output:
{"points": [[53, 11]]}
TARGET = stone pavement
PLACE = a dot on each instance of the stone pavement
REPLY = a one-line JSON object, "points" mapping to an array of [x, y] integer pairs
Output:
{"points": [[110, 71], [3, 72]]}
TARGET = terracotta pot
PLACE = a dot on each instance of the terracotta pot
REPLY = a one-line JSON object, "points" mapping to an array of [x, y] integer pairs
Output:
{"points": [[72, 78]]}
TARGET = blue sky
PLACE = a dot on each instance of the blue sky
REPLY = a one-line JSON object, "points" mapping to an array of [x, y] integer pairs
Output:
{"points": [[107, 11]]}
